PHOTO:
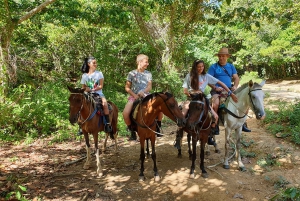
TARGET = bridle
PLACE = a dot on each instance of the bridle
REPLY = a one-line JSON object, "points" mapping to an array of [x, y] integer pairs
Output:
{"points": [[91, 114], [165, 102], [253, 105], [200, 117]]}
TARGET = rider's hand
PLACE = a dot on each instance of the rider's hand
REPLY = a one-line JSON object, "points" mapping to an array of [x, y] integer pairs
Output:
{"points": [[234, 98], [233, 88]]}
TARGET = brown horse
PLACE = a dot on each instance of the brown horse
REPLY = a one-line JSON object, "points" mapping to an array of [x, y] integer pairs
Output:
{"points": [[144, 119], [83, 111], [198, 127]]}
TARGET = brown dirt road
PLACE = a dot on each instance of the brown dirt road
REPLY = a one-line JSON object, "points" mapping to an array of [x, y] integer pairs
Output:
{"points": [[41, 167]]}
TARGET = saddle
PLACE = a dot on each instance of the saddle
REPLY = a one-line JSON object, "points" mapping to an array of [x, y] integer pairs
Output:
{"points": [[97, 100]]}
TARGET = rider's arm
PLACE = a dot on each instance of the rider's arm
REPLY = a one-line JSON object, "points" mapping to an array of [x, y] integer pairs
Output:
{"points": [[86, 88], [128, 90], [186, 91], [232, 95], [100, 86], [236, 81]]}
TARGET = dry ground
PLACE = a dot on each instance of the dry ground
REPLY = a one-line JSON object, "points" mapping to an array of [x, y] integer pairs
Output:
{"points": [[42, 167]]}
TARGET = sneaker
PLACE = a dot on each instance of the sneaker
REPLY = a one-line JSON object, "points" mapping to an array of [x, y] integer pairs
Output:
{"points": [[107, 128]]}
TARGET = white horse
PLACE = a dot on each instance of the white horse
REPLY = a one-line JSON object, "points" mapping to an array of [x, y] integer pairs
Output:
{"points": [[250, 95]]}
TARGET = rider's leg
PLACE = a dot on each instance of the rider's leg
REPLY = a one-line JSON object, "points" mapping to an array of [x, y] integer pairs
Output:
{"points": [[158, 124], [215, 106], [107, 127], [185, 107], [245, 126], [126, 117]]}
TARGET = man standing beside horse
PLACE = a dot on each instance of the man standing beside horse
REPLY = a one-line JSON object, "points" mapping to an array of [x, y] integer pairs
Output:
{"points": [[227, 73]]}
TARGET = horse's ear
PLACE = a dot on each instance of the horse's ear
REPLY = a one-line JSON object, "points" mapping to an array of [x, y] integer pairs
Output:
{"points": [[250, 83], [70, 88], [262, 83]]}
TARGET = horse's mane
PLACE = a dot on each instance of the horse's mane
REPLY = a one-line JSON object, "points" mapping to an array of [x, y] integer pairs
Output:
{"points": [[150, 96], [255, 85], [241, 88]]}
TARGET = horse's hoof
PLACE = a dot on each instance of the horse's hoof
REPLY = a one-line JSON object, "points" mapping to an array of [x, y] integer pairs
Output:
{"points": [[141, 178], [156, 178], [217, 151], [100, 174], [192, 176], [226, 166], [204, 175], [207, 153], [242, 169]]}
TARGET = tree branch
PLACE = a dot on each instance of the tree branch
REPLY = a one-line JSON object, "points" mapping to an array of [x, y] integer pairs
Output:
{"points": [[35, 10]]}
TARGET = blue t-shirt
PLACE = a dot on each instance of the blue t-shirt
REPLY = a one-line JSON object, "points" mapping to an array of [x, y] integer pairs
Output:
{"points": [[217, 71]]}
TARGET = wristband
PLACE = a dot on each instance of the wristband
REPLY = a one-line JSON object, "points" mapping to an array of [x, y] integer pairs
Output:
{"points": [[229, 93]]}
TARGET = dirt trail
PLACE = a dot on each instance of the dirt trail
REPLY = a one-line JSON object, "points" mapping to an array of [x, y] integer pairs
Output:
{"points": [[40, 167]]}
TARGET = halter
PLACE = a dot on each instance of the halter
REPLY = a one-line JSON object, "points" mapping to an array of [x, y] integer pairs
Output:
{"points": [[90, 116], [254, 108]]}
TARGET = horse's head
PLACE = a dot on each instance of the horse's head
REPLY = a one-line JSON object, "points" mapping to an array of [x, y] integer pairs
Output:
{"points": [[198, 111], [76, 103], [172, 109], [256, 96]]}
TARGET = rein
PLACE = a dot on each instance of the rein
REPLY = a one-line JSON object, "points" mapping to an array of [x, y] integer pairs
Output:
{"points": [[90, 116]]}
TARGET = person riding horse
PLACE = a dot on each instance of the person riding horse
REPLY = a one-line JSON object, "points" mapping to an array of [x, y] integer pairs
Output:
{"points": [[92, 81], [226, 72]]}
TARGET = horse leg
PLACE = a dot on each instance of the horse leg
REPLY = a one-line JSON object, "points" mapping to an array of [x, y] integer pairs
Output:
{"points": [[105, 141], [116, 141], [88, 151], [189, 145], [99, 168], [192, 172], [238, 148], [142, 158], [147, 148], [217, 150], [178, 141], [156, 176], [227, 146], [202, 147]]}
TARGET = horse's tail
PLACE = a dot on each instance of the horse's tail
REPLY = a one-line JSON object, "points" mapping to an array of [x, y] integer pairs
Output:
{"points": [[114, 121]]}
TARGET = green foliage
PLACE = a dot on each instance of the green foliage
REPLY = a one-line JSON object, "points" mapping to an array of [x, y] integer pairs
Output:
{"points": [[247, 76], [285, 121], [38, 113], [267, 161], [288, 194], [17, 190]]}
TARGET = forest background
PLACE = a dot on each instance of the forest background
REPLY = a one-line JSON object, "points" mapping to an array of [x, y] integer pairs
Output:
{"points": [[43, 44]]}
